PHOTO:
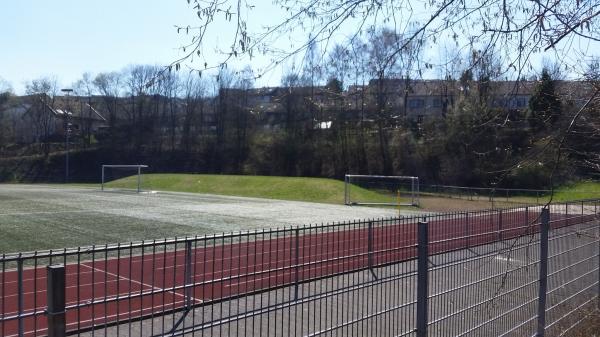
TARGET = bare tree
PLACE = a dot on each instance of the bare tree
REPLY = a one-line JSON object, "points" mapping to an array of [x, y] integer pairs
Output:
{"points": [[358, 97], [224, 82], [169, 86], [194, 96], [42, 92], [5, 86], [383, 64], [338, 64], [585, 139], [85, 87], [108, 85], [516, 29], [142, 86], [242, 119], [524, 27], [5, 129]]}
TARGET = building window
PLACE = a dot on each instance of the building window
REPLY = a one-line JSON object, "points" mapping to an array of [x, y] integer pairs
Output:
{"points": [[436, 103], [416, 103]]}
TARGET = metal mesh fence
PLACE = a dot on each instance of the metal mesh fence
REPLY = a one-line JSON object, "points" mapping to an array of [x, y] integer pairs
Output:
{"points": [[499, 272], [497, 197]]}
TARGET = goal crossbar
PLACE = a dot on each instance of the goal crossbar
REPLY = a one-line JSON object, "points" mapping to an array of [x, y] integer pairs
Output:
{"points": [[139, 173]]}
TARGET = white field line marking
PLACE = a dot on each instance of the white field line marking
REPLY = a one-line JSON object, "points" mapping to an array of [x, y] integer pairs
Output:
{"points": [[257, 268], [154, 288], [196, 278], [91, 210], [510, 260], [43, 291], [197, 262], [147, 309], [80, 285], [46, 212], [181, 253], [110, 297], [140, 283], [104, 319], [290, 272], [159, 290]]}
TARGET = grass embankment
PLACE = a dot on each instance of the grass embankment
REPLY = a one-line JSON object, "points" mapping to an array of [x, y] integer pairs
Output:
{"points": [[285, 188], [320, 189], [577, 191], [444, 202]]}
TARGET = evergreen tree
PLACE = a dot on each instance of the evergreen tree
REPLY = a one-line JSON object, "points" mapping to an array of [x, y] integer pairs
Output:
{"points": [[544, 104]]}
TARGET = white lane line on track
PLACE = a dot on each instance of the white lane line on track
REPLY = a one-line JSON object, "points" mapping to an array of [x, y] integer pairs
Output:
{"points": [[132, 280], [82, 302], [144, 284], [42, 331], [511, 260], [120, 277]]}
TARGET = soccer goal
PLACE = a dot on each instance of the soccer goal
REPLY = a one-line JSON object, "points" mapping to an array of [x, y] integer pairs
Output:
{"points": [[381, 190], [116, 172]]}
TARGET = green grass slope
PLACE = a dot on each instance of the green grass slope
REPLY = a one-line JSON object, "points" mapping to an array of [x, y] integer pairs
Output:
{"points": [[286, 188], [576, 191]]}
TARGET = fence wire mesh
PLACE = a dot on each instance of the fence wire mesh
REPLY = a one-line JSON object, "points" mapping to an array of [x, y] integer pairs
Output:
{"points": [[483, 273]]}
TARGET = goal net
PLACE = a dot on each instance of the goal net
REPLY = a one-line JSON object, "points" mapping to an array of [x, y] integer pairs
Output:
{"points": [[122, 177], [381, 190]]}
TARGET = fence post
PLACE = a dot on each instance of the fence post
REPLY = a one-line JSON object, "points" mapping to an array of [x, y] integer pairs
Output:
{"points": [[500, 225], [418, 193], [422, 281], [346, 189], [526, 220], [566, 213], [138, 179], [370, 245], [20, 294], [297, 269], [188, 274], [544, 229], [56, 300], [596, 217], [467, 228], [412, 192]]}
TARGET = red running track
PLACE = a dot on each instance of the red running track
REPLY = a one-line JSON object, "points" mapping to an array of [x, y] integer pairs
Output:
{"points": [[119, 290]]}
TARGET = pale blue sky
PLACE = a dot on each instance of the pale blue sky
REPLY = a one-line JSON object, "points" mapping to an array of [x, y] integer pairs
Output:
{"points": [[69, 37], [65, 38]]}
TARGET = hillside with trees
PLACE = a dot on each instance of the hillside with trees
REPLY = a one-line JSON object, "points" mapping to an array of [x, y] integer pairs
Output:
{"points": [[473, 130]]}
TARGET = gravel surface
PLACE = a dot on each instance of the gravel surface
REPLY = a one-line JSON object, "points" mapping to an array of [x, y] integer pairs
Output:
{"points": [[51, 216]]}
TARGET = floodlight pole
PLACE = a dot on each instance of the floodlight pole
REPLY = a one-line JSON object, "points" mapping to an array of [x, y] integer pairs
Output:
{"points": [[67, 132]]}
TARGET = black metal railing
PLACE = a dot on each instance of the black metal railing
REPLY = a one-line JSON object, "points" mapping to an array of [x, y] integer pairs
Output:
{"points": [[514, 271]]}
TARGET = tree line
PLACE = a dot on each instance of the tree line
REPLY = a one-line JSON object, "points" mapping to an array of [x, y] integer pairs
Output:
{"points": [[189, 123]]}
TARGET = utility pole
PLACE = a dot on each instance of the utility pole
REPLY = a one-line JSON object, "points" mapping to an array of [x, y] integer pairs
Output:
{"points": [[67, 131]]}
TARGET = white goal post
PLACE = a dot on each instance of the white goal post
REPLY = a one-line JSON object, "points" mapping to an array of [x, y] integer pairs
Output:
{"points": [[136, 168], [381, 190]]}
